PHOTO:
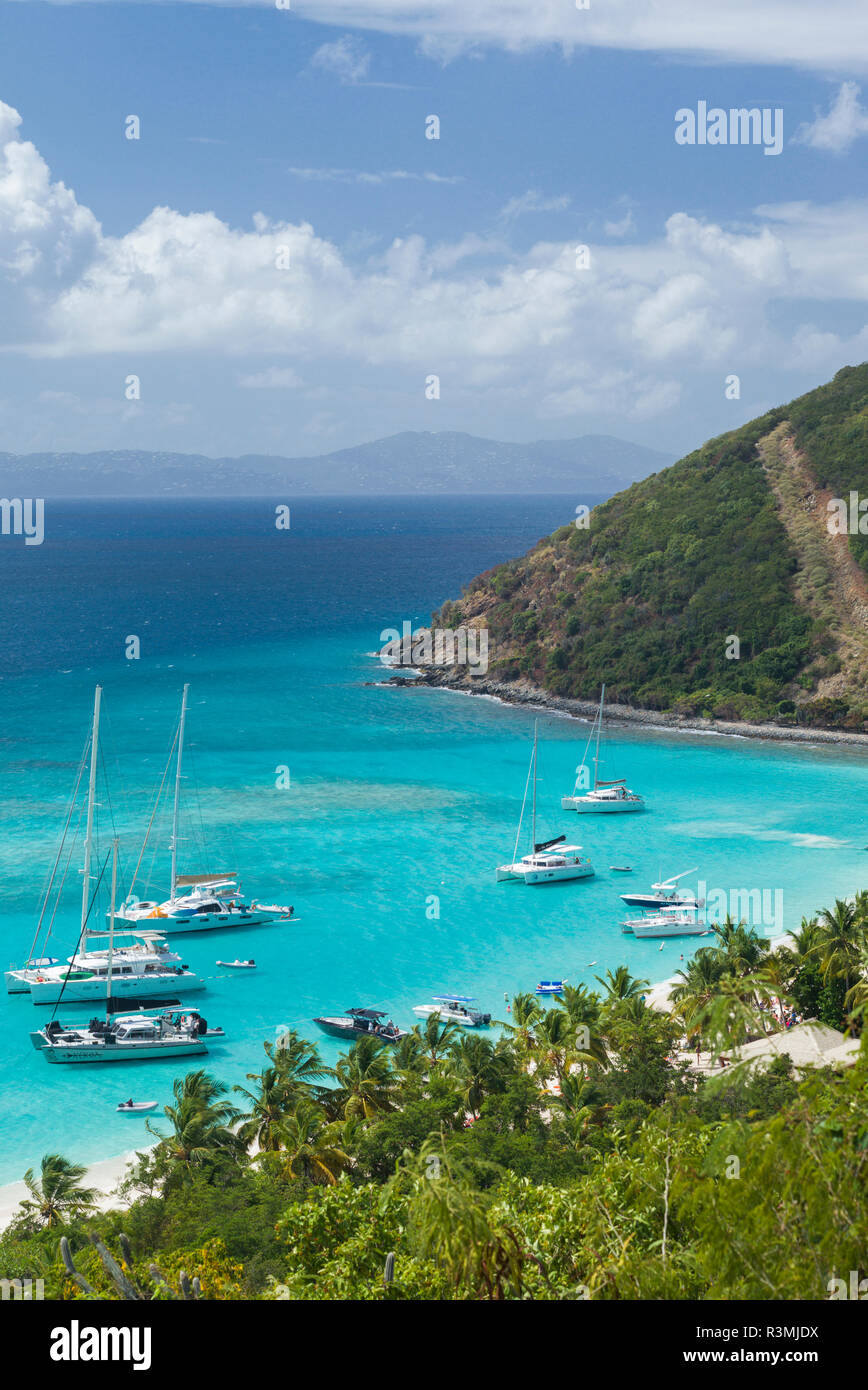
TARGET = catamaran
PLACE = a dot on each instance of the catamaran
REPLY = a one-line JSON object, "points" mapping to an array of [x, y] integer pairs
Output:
{"points": [[550, 861], [664, 894], [124, 1038], [214, 900], [455, 1008], [602, 796], [666, 921]]}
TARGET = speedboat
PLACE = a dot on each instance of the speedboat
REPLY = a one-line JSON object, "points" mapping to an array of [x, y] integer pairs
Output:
{"points": [[550, 861], [136, 1107], [455, 1008], [360, 1023], [666, 921], [664, 894], [550, 987], [123, 1038], [602, 796], [146, 968]]}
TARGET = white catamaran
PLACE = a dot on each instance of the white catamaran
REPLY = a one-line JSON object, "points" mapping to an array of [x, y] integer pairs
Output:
{"points": [[144, 968], [214, 899], [133, 1037], [551, 861], [602, 796]]}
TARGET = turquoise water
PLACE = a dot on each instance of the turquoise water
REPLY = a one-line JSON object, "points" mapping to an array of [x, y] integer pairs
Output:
{"points": [[401, 803]]}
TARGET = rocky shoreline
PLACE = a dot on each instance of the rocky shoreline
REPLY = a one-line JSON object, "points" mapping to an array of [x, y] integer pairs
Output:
{"points": [[526, 693]]}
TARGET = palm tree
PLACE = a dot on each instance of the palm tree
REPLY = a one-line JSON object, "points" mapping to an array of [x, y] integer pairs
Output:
{"points": [[200, 1123], [365, 1080], [268, 1106], [309, 1145], [621, 985], [806, 937], [435, 1037], [57, 1194], [298, 1064], [697, 985], [580, 1004], [740, 946], [841, 934], [525, 1013], [477, 1067]]}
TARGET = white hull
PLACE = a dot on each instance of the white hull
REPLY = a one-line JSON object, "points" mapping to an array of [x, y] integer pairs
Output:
{"points": [[450, 1015], [123, 987], [585, 804], [526, 873], [120, 1052], [698, 929], [201, 921]]}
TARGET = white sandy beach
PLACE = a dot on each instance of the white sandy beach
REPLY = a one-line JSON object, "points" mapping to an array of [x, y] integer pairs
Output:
{"points": [[104, 1176], [657, 996]]}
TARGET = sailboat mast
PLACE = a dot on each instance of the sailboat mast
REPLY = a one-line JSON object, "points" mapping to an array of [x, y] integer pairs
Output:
{"points": [[599, 730], [91, 797], [112, 923], [177, 806], [533, 834]]}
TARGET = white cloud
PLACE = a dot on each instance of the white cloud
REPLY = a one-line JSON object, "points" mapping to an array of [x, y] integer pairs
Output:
{"points": [[629, 335], [842, 125], [805, 33], [346, 58], [272, 379], [532, 201], [327, 175], [622, 227]]}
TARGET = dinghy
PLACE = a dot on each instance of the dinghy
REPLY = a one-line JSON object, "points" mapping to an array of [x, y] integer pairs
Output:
{"points": [[136, 1107], [238, 964]]}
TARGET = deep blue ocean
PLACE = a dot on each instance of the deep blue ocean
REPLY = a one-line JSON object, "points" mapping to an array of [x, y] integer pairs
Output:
{"points": [[400, 804]]}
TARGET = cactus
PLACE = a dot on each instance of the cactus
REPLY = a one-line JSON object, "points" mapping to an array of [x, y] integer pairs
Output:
{"points": [[189, 1290]]}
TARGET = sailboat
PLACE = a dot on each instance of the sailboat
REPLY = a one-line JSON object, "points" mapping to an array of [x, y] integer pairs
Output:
{"points": [[603, 796], [550, 861], [145, 968], [213, 900], [121, 1038]]}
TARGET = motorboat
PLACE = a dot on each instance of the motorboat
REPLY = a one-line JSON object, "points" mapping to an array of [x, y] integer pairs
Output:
{"points": [[136, 1107], [666, 921], [213, 899], [237, 964], [550, 987], [550, 861], [602, 796], [664, 894], [123, 1038], [360, 1023], [455, 1008]]}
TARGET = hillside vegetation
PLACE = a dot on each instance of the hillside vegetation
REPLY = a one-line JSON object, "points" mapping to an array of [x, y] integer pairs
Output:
{"points": [[730, 542]]}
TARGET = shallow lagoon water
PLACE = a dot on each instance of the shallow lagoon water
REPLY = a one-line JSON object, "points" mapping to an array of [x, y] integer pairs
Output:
{"points": [[400, 804]]}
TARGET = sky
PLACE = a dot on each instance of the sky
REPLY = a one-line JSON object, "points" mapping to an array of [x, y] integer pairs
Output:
{"points": [[283, 263]]}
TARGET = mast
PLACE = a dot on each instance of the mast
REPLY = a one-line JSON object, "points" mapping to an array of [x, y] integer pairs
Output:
{"points": [[533, 832], [112, 924], [178, 792], [599, 730], [91, 795]]}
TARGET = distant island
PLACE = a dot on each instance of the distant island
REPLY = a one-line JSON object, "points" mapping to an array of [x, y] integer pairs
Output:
{"points": [[411, 463], [732, 586]]}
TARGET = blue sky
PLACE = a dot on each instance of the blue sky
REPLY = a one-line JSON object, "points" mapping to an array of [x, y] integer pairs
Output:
{"points": [[262, 128]]}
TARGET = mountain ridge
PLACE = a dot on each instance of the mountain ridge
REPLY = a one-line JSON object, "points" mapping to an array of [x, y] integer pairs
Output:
{"points": [[714, 588], [408, 463]]}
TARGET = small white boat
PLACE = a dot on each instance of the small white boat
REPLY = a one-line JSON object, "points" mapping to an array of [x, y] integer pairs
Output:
{"points": [[136, 1107], [551, 861], [550, 987], [620, 869], [455, 1008], [238, 964], [602, 796]]}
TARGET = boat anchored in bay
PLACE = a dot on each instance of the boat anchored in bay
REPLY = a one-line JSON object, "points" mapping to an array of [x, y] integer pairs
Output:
{"points": [[550, 861], [602, 797]]}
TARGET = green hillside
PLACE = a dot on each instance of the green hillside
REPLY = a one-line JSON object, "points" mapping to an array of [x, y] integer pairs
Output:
{"points": [[731, 541]]}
